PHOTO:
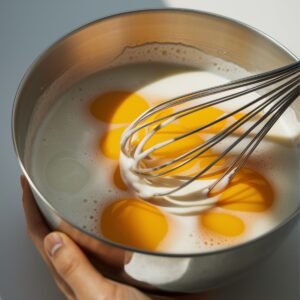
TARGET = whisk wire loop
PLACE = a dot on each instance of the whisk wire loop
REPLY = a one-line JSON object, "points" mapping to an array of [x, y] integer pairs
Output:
{"points": [[273, 91], [214, 140]]}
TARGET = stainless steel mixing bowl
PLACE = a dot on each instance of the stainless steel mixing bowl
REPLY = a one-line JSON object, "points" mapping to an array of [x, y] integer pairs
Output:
{"points": [[85, 51]]}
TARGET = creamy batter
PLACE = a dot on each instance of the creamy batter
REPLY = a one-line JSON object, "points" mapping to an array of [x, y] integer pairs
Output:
{"points": [[74, 161]]}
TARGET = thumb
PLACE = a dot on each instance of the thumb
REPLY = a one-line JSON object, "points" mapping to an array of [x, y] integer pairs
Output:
{"points": [[73, 266]]}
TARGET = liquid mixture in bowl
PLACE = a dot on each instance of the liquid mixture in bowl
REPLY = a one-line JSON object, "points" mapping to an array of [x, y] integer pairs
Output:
{"points": [[74, 157]]}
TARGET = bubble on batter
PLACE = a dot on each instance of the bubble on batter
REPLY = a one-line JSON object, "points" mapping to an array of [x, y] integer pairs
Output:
{"points": [[213, 241], [179, 54], [64, 173]]}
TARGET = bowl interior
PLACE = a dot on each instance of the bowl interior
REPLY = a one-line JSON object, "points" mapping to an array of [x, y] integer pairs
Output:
{"points": [[98, 45]]}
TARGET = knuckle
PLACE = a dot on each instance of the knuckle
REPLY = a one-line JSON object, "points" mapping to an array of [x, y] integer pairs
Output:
{"points": [[68, 266]]}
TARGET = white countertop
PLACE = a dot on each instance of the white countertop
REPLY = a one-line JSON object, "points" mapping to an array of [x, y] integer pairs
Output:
{"points": [[26, 29]]}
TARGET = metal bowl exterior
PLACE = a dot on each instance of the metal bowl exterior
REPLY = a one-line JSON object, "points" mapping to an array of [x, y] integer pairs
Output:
{"points": [[82, 53]]}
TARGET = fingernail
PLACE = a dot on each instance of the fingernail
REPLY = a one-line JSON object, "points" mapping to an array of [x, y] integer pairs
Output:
{"points": [[52, 243]]}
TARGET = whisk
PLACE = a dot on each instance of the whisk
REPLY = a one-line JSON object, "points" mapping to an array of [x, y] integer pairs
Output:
{"points": [[272, 92]]}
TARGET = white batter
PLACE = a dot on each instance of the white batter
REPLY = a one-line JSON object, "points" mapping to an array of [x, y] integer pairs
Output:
{"points": [[76, 179]]}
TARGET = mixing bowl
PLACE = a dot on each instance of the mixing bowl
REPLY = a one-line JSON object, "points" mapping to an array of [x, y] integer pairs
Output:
{"points": [[84, 52]]}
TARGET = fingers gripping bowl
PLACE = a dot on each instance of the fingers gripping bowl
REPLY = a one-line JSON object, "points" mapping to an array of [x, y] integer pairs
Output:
{"points": [[103, 43]]}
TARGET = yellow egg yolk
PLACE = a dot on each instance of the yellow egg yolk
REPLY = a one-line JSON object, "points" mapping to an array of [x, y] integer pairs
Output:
{"points": [[118, 107], [204, 117], [110, 143], [182, 146], [239, 115], [140, 134], [175, 148], [223, 223], [134, 223], [216, 170], [186, 144], [198, 164], [247, 191], [118, 181]]}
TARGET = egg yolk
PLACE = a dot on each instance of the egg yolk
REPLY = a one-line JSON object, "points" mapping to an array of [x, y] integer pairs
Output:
{"points": [[198, 164], [239, 115], [134, 223], [180, 147], [216, 170], [203, 117], [175, 148], [118, 181], [247, 191], [110, 143], [223, 223], [140, 134], [117, 107]]}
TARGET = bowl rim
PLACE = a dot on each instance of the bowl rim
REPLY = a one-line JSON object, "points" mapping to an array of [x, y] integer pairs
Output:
{"points": [[47, 50]]}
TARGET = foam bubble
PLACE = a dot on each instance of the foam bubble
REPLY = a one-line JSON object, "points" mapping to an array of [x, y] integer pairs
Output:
{"points": [[178, 54]]}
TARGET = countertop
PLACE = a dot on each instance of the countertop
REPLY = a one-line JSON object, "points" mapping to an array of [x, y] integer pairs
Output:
{"points": [[26, 29]]}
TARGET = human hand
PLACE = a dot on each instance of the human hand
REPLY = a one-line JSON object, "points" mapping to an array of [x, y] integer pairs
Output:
{"points": [[71, 270]]}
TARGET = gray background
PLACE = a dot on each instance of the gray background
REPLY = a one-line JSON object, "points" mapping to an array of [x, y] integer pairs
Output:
{"points": [[29, 27]]}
